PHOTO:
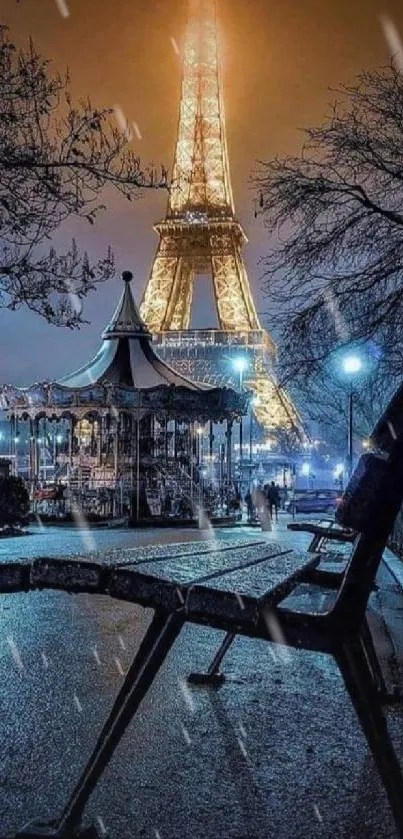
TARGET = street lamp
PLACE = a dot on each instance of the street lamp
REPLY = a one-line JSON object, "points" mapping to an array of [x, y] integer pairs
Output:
{"points": [[240, 365], [352, 365], [200, 433], [255, 401]]}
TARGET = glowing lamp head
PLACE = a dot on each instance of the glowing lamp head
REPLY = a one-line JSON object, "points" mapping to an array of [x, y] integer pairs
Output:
{"points": [[305, 469], [240, 364], [352, 364], [59, 438], [338, 470]]}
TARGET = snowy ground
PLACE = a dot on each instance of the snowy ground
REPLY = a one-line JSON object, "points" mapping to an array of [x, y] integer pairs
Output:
{"points": [[275, 752]]}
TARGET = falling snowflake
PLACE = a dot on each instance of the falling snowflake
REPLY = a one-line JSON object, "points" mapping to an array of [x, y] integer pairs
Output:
{"points": [[276, 633], [119, 666], [101, 825], [75, 302], [186, 735], [318, 813], [187, 695], [96, 656], [242, 731], [77, 703], [240, 601], [334, 309], [123, 123], [392, 430], [15, 653], [394, 42], [63, 8], [180, 595], [174, 45], [83, 526]]}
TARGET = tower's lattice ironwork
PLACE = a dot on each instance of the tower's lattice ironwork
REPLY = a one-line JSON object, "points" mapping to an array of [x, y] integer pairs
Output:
{"points": [[200, 234]]}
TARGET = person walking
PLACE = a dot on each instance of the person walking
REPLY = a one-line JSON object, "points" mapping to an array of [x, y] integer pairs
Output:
{"points": [[249, 506], [273, 497]]}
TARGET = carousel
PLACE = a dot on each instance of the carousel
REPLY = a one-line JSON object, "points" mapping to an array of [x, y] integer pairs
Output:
{"points": [[125, 436]]}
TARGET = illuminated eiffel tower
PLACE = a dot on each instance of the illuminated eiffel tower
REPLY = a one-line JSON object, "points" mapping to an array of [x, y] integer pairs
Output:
{"points": [[201, 234]]}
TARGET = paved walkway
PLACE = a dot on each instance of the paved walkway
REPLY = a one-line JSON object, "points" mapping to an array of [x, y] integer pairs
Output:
{"points": [[276, 752]]}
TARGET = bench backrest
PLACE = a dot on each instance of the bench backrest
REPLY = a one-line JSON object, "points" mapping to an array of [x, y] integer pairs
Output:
{"points": [[370, 505]]}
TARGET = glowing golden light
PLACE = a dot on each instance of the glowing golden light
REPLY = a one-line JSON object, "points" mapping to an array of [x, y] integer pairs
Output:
{"points": [[200, 233]]}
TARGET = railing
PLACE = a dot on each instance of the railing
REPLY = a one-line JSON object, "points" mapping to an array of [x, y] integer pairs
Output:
{"points": [[257, 338]]}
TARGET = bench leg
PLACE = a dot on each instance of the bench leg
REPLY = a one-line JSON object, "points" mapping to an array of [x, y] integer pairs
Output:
{"points": [[213, 677], [358, 679], [155, 646], [373, 660], [315, 543], [387, 697]]}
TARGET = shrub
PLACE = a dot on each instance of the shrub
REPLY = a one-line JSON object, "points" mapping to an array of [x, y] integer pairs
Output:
{"points": [[14, 501]]}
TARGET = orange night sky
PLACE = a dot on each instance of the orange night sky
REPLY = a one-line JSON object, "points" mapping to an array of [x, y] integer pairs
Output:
{"points": [[279, 60]]}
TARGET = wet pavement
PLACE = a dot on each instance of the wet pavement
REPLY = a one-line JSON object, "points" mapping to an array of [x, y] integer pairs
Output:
{"points": [[275, 752]]}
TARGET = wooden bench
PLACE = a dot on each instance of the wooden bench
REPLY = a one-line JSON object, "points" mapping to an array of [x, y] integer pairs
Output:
{"points": [[259, 590]]}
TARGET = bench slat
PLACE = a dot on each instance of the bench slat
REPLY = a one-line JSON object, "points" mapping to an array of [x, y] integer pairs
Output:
{"points": [[148, 553], [244, 596], [194, 568]]}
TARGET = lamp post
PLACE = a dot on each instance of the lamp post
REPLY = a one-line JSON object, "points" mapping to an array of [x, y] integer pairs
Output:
{"points": [[306, 470], [255, 401], [352, 365], [200, 445], [240, 365]]}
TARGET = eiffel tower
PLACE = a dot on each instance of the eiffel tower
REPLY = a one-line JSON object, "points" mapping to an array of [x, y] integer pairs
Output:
{"points": [[201, 234]]}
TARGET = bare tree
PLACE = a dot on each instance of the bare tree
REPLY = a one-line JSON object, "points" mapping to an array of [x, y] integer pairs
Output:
{"points": [[334, 274], [56, 158]]}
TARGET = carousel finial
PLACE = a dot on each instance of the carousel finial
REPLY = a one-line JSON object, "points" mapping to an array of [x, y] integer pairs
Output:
{"points": [[127, 276]]}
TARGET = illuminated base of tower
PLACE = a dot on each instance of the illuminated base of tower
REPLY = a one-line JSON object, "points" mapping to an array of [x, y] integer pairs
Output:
{"points": [[210, 355]]}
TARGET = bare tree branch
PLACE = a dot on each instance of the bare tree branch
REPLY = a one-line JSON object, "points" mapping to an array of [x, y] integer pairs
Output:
{"points": [[333, 275], [56, 158]]}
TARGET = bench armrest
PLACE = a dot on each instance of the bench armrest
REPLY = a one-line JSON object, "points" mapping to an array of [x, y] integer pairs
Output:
{"points": [[337, 534], [322, 577]]}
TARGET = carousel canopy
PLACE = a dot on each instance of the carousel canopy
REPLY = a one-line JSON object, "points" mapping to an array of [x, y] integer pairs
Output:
{"points": [[126, 356], [126, 373]]}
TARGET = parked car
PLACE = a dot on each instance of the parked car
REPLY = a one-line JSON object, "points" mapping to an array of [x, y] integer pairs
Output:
{"points": [[314, 501]]}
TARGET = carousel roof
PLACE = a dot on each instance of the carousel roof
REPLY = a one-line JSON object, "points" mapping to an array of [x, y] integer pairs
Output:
{"points": [[126, 356], [126, 373]]}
